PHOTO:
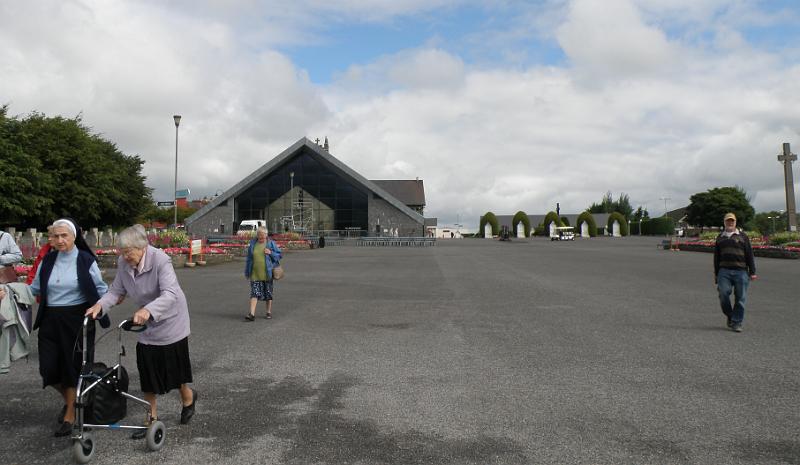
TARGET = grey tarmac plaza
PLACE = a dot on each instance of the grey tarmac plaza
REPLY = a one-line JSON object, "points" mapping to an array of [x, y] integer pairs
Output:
{"points": [[601, 351]]}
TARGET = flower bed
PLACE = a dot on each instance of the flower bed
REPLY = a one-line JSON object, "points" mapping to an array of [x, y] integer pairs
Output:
{"points": [[759, 250], [22, 271]]}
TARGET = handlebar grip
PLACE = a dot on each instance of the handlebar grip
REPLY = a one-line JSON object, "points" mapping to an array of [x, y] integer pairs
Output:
{"points": [[129, 325]]}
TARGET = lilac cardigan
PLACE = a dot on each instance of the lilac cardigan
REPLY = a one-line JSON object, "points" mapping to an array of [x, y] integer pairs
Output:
{"points": [[156, 288]]}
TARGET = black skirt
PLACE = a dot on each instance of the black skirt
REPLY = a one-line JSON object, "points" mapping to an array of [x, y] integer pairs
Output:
{"points": [[163, 368], [61, 344]]}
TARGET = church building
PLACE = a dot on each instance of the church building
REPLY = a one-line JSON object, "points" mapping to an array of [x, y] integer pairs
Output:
{"points": [[308, 190]]}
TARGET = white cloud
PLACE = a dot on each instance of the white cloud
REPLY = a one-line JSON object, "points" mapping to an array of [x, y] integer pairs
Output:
{"points": [[609, 39]]}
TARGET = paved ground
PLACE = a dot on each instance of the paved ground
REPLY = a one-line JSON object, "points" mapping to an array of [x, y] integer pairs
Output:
{"points": [[602, 351]]}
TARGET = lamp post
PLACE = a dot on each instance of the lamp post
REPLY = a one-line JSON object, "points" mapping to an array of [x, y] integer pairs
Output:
{"points": [[773, 223], [665, 203], [177, 119], [291, 198]]}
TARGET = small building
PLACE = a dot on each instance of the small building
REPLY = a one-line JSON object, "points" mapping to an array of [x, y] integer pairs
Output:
{"points": [[308, 190]]}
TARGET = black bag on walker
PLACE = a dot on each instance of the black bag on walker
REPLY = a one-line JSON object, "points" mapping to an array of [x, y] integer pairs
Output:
{"points": [[104, 404]]}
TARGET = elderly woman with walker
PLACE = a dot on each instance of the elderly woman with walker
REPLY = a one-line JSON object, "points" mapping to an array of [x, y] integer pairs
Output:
{"points": [[145, 275]]}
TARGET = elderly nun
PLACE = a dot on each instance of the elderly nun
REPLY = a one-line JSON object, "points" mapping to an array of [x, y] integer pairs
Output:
{"points": [[68, 281]]}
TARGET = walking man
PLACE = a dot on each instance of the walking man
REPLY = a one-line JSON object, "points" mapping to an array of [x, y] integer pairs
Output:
{"points": [[734, 268]]}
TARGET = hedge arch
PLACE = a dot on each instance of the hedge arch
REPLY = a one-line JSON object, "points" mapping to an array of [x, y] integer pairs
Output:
{"points": [[588, 218], [623, 223], [565, 221], [492, 220], [550, 217], [526, 223]]}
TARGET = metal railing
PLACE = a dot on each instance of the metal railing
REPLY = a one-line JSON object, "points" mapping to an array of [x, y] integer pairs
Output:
{"points": [[396, 241]]}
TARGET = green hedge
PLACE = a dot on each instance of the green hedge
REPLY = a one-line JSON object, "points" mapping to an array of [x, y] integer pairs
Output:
{"points": [[550, 218], [659, 226], [588, 218], [490, 218], [521, 216], [623, 223]]}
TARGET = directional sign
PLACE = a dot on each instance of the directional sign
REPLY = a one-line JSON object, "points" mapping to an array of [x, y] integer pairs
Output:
{"points": [[166, 204]]}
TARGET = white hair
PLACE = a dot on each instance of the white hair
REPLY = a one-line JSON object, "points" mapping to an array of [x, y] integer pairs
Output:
{"points": [[66, 223], [134, 236]]}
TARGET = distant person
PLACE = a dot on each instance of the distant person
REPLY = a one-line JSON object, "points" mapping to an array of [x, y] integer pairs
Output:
{"points": [[259, 271], [43, 250], [146, 276], [321, 241], [68, 281], [734, 268], [10, 255]]}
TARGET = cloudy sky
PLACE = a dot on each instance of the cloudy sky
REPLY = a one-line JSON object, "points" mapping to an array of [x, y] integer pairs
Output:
{"points": [[498, 105]]}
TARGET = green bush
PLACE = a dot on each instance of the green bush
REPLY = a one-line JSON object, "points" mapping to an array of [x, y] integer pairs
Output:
{"points": [[623, 223], [551, 217], [659, 226], [784, 237], [565, 221], [588, 218], [539, 230], [490, 218], [521, 216]]}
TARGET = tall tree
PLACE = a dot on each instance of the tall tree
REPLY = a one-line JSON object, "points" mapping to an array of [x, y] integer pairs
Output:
{"points": [[640, 214], [22, 179], [609, 205], [708, 208], [75, 174]]}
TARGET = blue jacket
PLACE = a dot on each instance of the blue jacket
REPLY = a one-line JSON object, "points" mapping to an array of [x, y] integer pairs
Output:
{"points": [[272, 260]]}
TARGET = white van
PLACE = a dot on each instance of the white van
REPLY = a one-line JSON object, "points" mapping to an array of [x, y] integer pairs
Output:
{"points": [[250, 226]]}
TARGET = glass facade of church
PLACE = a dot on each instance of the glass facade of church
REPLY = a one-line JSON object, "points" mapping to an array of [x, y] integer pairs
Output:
{"points": [[306, 193]]}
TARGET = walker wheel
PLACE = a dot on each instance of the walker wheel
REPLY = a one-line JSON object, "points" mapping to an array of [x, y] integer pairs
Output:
{"points": [[156, 434], [83, 449]]}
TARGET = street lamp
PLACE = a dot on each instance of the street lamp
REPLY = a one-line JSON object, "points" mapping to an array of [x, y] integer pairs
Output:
{"points": [[177, 119], [291, 198], [773, 223]]}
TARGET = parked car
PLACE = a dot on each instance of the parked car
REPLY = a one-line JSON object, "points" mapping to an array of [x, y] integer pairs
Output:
{"points": [[249, 227]]}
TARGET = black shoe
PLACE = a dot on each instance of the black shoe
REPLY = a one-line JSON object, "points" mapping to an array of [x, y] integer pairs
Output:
{"points": [[61, 415], [188, 412], [250, 318], [64, 429], [730, 323]]}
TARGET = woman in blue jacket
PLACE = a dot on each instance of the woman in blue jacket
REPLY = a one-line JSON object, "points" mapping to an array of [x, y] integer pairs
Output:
{"points": [[259, 271]]}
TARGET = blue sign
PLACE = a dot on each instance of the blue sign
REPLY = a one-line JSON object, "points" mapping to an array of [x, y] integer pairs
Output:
{"points": [[182, 194]]}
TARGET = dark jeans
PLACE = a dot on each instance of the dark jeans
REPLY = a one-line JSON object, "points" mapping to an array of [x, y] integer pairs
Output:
{"points": [[736, 281]]}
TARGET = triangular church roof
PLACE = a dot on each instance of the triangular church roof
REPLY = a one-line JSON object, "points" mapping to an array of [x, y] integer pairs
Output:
{"points": [[325, 158]]}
